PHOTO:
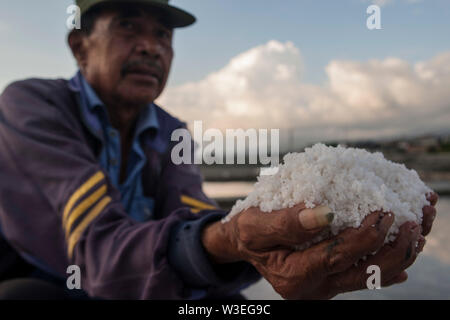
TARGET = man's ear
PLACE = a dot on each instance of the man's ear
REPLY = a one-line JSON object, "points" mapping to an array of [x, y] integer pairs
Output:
{"points": [[76, 41]]}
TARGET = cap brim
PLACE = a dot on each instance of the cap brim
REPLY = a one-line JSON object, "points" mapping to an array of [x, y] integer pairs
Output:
{"points": [[175, 17]]}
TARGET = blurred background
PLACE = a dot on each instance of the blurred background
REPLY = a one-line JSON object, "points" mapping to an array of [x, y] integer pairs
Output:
{"points": [[309, 68]]}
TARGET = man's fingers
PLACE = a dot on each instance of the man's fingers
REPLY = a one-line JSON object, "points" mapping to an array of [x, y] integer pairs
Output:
{"points": [[420, 244], [392, 259], [429, 214], [287, 227], [402, 277], [341, 252], [287, 271], [433, 198]]}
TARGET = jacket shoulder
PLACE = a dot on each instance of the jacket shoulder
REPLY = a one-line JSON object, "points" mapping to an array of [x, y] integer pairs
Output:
{"points": [[37, 99], [35, 87], [166, 119]]}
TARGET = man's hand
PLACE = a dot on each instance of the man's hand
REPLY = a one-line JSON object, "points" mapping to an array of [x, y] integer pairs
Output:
{"points": [[312, 273], [393, 258], [267, 241], [253, 231], [327, 268]]}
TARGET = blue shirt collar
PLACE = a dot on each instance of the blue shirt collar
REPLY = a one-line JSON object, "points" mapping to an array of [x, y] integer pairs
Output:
{"points": [[163, 121], [147, 118], [92, 99]]}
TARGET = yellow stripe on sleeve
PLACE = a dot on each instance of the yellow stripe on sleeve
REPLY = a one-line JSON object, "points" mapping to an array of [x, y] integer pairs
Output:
{"points": [[83, 206], [96, 178], [197, 204], [76, 234]]}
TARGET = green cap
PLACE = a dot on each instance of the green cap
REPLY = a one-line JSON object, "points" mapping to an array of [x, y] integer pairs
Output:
{"points": [[176, 17]]}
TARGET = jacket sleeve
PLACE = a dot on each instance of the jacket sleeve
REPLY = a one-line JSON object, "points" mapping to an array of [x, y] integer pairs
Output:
{"points": [[182, 188], [118, 257]]}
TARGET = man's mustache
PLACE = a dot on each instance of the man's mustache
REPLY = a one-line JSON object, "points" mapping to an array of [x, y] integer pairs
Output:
{"points": [[132, 66]]}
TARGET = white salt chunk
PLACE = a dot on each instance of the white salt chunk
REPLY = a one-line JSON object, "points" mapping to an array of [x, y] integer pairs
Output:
{"points": [[352, 182]]}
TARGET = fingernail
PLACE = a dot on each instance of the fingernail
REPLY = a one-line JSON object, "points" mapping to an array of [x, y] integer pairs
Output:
{"points": [[316, 218], [421, 243]]}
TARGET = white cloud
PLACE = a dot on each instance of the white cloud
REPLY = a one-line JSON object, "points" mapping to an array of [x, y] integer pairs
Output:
{"points": [[263, 88], [383, 3]]}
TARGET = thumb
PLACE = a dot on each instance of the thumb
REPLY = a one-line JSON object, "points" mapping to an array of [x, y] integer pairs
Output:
{"points": [[312, 222], [289, 227], [315, 218]]}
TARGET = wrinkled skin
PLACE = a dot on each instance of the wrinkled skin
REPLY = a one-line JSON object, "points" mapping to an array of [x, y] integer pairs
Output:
{"points": [[328, 267], [127, 57], [126, 60]]}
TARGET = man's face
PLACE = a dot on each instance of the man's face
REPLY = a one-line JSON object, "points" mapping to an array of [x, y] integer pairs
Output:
{"points": [[127, 57]]}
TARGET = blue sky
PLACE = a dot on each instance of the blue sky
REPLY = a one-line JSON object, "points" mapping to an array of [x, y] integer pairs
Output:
{"points": [[322, 29], [33, 35]]}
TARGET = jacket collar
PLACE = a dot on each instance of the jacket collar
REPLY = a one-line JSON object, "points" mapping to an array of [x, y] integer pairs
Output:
{"points": [[156, 117], [90, 102]]}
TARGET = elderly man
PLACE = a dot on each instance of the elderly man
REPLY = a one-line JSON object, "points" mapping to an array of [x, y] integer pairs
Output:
{"points": [[87, 180]]}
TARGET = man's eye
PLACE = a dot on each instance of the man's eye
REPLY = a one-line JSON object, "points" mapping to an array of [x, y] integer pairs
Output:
{"points": [[164, 34], [126, 24]]}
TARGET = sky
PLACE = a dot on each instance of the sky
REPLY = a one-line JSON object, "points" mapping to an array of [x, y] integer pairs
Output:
{"points": [[311, 65]]}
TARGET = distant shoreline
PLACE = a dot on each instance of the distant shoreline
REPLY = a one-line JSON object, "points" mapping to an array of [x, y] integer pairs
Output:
{"points": [[429, 166], [226, 193]]}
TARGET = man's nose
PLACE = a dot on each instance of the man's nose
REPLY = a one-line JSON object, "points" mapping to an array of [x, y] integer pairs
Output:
{"points": [[147, 46]]}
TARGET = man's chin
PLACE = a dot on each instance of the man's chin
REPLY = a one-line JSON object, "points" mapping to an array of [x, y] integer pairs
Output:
{"points": [[138, 94]]}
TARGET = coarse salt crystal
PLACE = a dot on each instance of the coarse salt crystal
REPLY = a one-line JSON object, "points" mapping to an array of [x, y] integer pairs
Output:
{"points": [[352, 182]]}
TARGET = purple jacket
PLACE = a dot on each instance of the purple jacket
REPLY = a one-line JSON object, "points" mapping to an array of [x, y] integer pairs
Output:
{"points": [[58, 207]]}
